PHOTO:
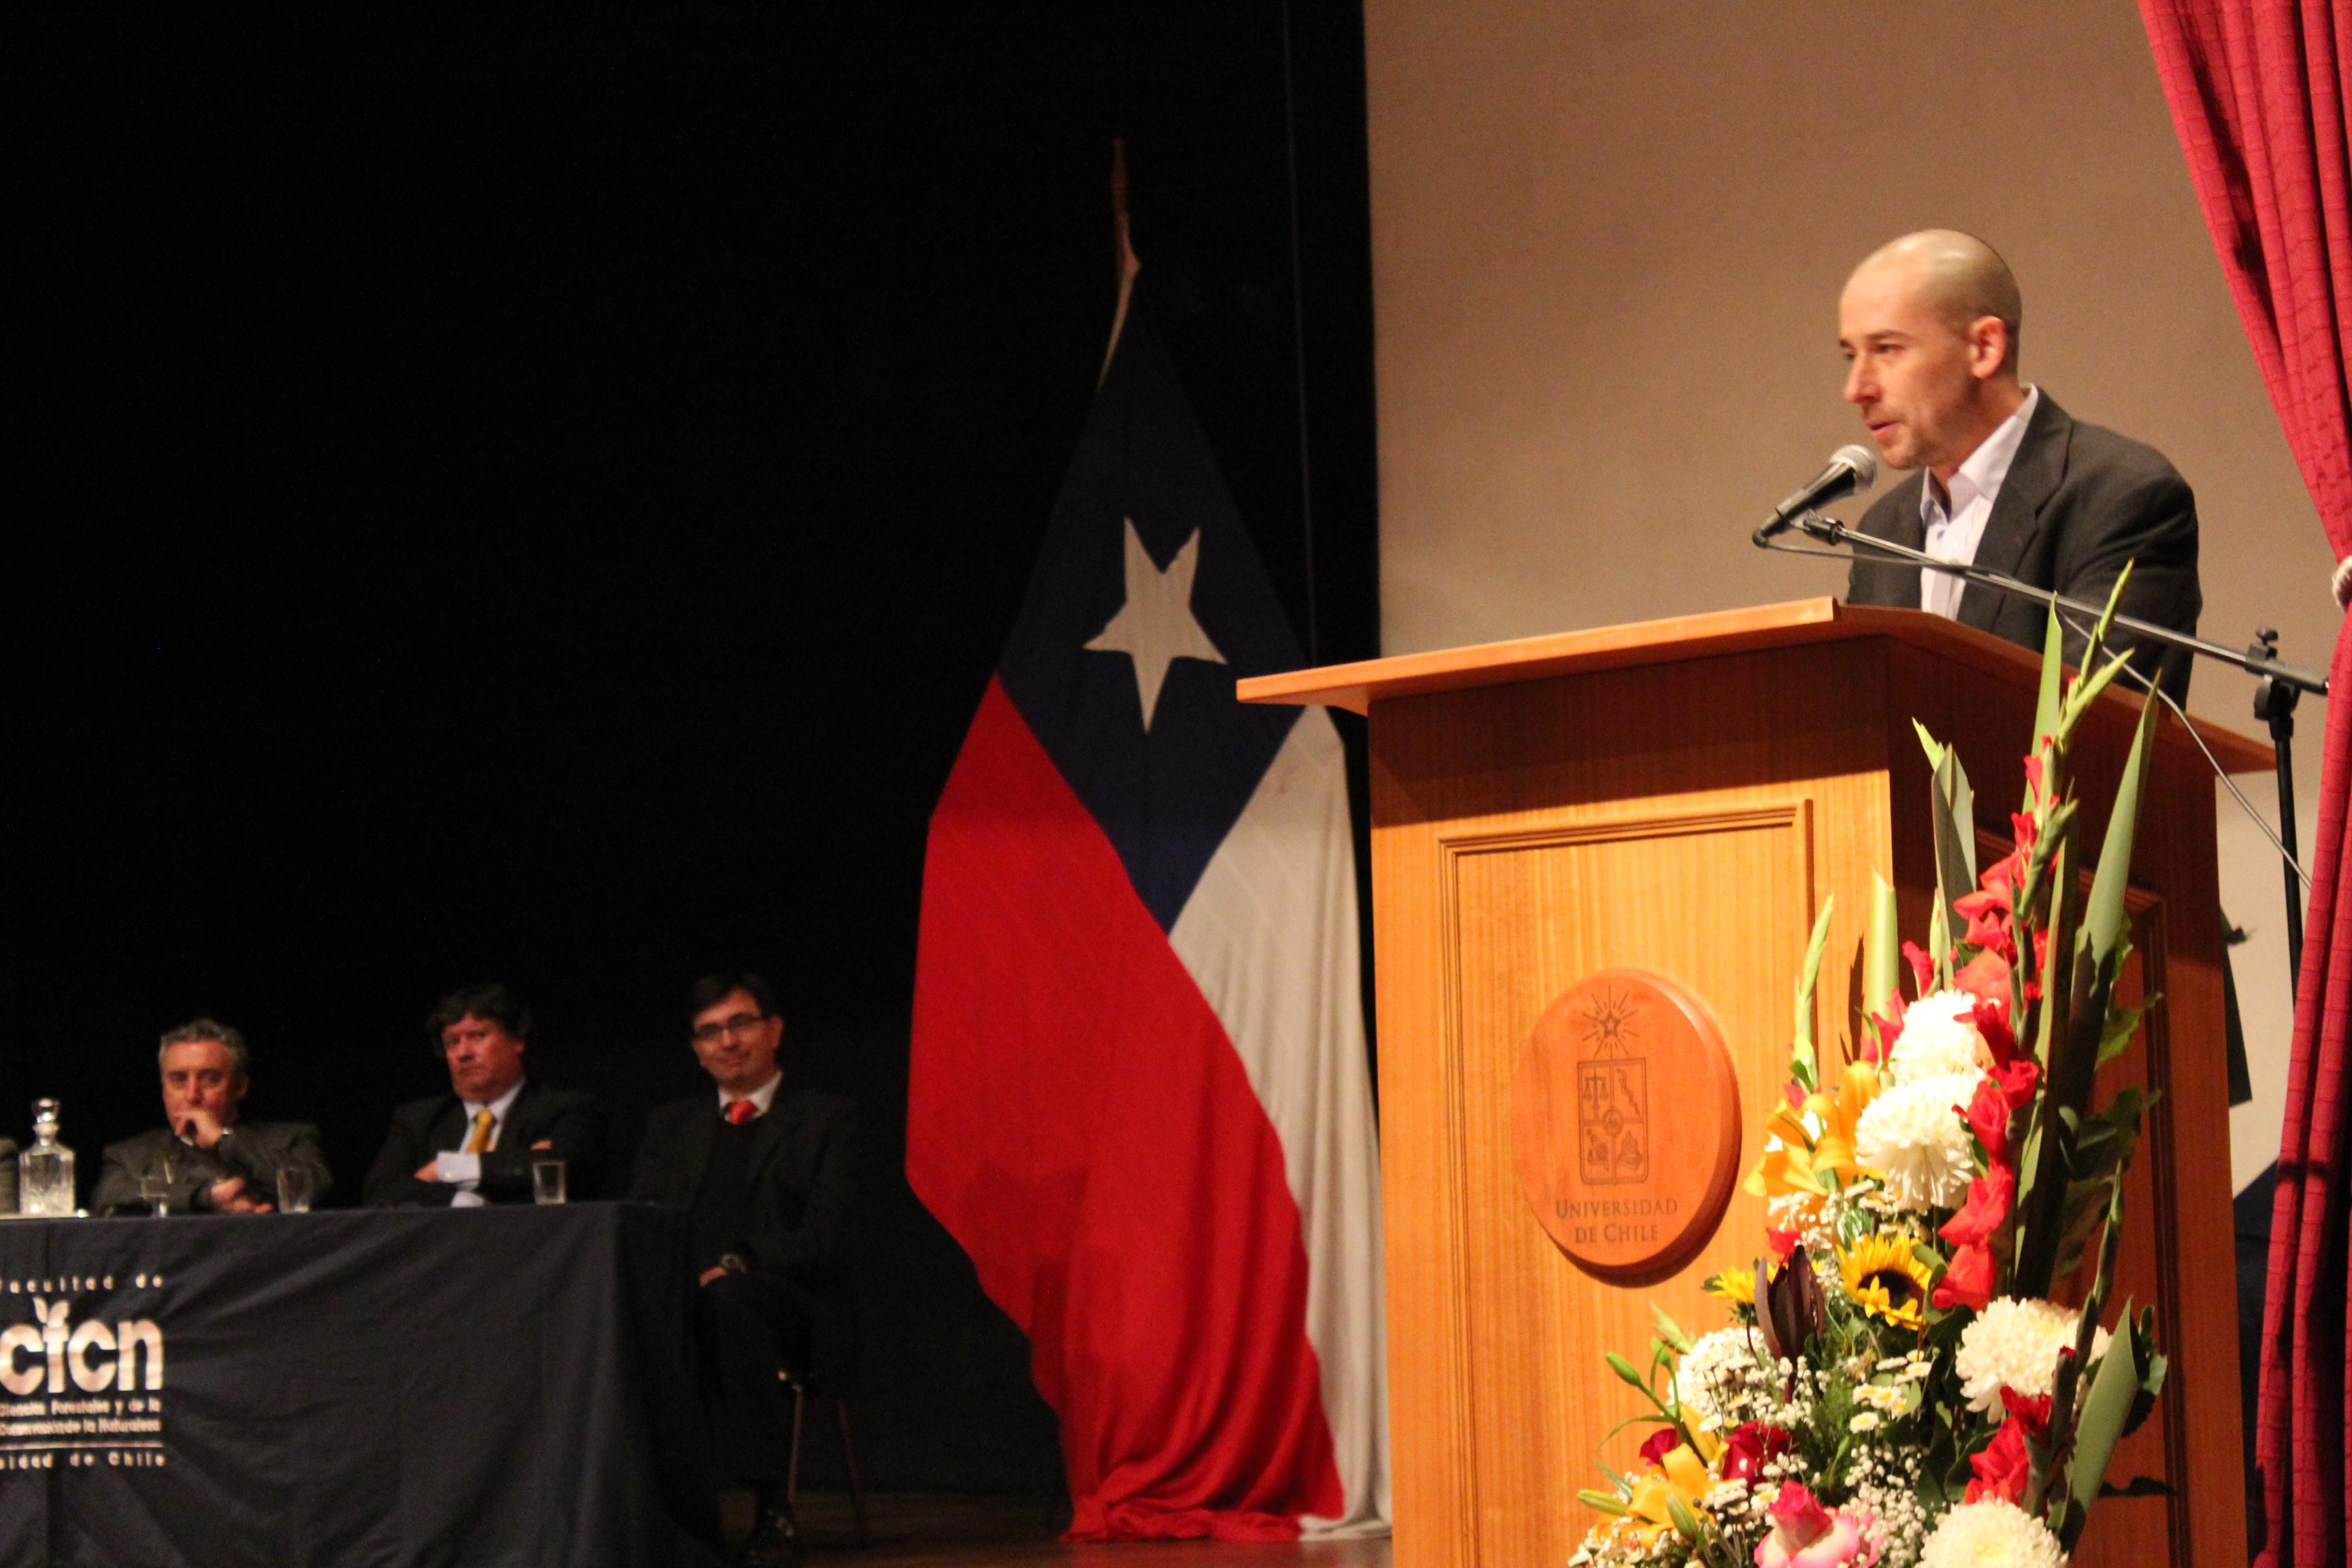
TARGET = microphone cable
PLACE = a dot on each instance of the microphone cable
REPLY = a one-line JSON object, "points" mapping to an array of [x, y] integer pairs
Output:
{"points": [[2131, 672]]}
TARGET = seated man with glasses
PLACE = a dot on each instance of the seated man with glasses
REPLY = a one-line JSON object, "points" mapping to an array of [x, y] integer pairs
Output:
{"points": [[474, 1145], [204, 1159], [768, 1170]]}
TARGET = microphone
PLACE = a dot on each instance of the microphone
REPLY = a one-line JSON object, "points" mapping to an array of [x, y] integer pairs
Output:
{"points": [[1851, 471]]}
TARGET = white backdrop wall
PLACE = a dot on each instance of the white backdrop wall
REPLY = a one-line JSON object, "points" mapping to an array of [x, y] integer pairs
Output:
{"points": [[1608, 241]]}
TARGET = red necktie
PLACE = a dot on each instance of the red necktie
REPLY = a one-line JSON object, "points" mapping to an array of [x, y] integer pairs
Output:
{"points": [[738, 1111]]}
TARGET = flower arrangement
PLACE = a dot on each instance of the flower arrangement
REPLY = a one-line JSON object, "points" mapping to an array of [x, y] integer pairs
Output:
{"points": [[1895, 1386]]}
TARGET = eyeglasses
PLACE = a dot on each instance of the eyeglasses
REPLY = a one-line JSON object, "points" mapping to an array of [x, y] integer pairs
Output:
{"points": [[740, 1023]]}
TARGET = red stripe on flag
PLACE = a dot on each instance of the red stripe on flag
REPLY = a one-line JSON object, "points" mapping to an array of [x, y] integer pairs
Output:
{"points": [[1080, 1123]]}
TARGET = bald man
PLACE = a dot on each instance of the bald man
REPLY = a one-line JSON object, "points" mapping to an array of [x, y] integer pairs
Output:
{"points": [[2008, 479]]}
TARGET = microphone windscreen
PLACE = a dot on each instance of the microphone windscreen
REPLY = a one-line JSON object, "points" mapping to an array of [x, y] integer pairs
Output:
{"points": [[1863, 461]]}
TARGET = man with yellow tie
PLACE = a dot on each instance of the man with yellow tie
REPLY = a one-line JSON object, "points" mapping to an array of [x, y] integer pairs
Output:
{"points": [[474, 1145]]}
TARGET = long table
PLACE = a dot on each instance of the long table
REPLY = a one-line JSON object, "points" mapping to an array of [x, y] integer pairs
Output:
{"points": [[492, 1385]]}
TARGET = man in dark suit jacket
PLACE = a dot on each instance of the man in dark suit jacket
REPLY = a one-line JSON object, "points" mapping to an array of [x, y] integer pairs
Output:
{"points": [[2007, 480], [206, 1157], [475, 1145], [769, 1175]]}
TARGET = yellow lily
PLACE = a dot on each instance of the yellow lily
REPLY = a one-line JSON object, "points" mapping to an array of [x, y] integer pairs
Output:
{"points": [[1680, 1473], [1804, 1160]]}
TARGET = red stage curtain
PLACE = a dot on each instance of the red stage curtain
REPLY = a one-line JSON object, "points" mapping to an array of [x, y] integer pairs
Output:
{"points": [[2258, 94]]}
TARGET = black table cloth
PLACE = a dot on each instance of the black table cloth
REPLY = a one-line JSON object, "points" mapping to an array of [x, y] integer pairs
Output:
{"points": [[493, 1385]]}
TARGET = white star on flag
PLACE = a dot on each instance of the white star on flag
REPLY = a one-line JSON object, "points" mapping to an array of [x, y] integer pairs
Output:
{"points": [[1155, 627]]}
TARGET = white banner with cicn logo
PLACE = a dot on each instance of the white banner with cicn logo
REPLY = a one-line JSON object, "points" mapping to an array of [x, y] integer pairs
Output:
{"points": [[79, 1385]]}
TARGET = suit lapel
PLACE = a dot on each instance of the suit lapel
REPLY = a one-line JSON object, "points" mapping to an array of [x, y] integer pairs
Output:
{"points": [[516, 1132], [164, 1149], [446, 1131], [1908, 527], [767, 1135], [694, 1149], [2033, 475]]}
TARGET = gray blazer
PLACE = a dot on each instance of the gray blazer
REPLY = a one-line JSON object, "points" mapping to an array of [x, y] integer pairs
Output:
{"points": [[256, 1151], [2079, 501]]}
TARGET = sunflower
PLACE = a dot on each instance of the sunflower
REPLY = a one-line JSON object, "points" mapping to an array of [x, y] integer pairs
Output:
{"points": [[1886, 1279], [1736, 1286]]}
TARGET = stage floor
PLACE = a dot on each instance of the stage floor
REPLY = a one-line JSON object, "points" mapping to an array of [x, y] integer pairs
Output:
{"points": [[926, 1531]]}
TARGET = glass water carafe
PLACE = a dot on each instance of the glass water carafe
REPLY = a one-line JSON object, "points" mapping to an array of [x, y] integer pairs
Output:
{"points": [[45, 1173]]}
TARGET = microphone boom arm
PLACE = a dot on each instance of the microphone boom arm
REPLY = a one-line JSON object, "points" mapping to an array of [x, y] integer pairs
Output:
{"points": [[1830, 530], [2273, 702]]}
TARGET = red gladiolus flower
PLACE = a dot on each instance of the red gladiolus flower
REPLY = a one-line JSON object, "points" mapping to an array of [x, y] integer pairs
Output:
{"points": [[1991, 910], [2034, 771], [2032, 1409], [2003, 1468], [1659, 1444], [1985, 977], [1988, 1112], [1988, 1205], [2024, 829], [1991, 1017], [1923, 967], [1968, 1281], [1783, 1242], [1890, 1029], [1751, 1446], [2018, 1080]]}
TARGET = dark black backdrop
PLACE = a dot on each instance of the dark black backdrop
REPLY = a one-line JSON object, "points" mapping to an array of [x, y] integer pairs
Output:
{"points": [[537, 494]]}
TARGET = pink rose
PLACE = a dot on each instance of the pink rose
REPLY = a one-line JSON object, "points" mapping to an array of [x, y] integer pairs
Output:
{"points": [[1807, 1535]]}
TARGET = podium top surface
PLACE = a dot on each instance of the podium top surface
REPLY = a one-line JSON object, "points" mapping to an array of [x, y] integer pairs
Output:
{"points": [[1355, 687]]}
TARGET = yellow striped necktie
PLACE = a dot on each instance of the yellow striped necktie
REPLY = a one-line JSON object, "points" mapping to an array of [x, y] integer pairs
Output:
{"points": [[480, 1138]]}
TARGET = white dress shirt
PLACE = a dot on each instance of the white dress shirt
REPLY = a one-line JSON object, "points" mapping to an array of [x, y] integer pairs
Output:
{"points": [[764, 1097], [1954, 530], [464, 1172]]}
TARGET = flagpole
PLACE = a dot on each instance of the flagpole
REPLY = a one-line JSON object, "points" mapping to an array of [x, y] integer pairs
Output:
{"points": [[1128, 265]]}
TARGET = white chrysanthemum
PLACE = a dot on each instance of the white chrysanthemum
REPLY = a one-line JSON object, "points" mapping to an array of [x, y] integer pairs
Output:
{"points": [[2016, 1343], [1711, 1380], [1938, 1037], [1993, 1534], [1914, 1136]]}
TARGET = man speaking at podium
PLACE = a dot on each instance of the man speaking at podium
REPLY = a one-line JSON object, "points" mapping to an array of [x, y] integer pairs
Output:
{"points": [[2009, 481]]}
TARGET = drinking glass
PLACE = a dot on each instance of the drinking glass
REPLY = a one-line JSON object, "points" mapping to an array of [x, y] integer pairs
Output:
{"points": [[547, 1180], [155, 1192], [293, 1191]]}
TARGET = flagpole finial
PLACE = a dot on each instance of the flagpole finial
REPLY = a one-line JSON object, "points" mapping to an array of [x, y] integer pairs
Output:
{"points": [[1123, 233]]}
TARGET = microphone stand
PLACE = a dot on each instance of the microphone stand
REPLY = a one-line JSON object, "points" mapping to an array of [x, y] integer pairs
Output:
{"points": [[2279, 688]]}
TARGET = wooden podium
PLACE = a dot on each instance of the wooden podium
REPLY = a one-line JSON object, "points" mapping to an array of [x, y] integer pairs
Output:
{"points": [[1680, 797]]}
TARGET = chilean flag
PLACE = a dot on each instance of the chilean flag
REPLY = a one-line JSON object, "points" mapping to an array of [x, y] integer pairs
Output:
{"points": [[1139, 1096]]}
